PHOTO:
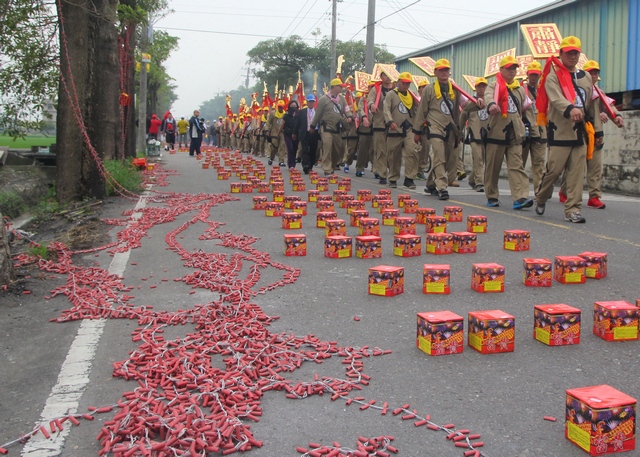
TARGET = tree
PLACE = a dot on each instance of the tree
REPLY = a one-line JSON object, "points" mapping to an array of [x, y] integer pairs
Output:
{"points": [[7, 273], [159, 82], [216, 106], [354, 56]]}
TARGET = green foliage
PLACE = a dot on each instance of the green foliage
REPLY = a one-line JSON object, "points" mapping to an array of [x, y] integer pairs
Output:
{"points": [[11, 204], [27, 141], [125, 174], [216, 106], [38, 250], [47, 207], [161, 89]]}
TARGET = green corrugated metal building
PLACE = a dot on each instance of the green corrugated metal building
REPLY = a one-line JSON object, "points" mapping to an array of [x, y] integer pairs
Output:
{"points": [[607, 28]]}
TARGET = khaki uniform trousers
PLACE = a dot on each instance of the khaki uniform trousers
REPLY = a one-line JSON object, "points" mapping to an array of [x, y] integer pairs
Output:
{"points": [[380, 153], [365, 143], [332, 151], [571, 160], [398, 149], [425, 150], [518, 179], [277, 146], [594, 176], [538, 153], [444, 164], [476, 178], [350, 144], [261, 146]]}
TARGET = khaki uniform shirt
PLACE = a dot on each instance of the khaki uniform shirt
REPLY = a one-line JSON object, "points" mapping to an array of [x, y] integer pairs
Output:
{"points": [[437, 114], [329, 114], [476, 120], [395, 111], [362, 130], [536, 132], [510, 129], [377, 119]]}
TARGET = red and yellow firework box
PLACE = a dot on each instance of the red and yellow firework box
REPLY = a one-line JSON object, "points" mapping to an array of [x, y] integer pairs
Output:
{"points": [[291, 221], [337, 194], [274, 209], [298, 186], [333, 179], [440, 333], [386, 281], [364, 195], [615, 320], [259, 202], [295, 245], [334, 227], [596, 264], [288, 199], [423, 213], [376, 198], [402, 198], [243, 175], [345, 184], [236, 187], [465, 242], [369, 226], [338, 247], [323, 184], [436, 279], [325, 205], [435, 224], [407, 245], [439, 243], [487, 277], [556, 325], [453, 213], [223, 175], [322, 216], [410, 206], [537, 272], [264, 187], [299, 207], [312, 195], [313, 177], [517, 240], [386, 192], [385, 204], [356, 215], [404, 226], [354, 205], [246, 188], [600, 420], [389, 215], [345, 199], [368, 247], [278, 196], [323, 198], [570, 270], [491, 331], [261, 174]]}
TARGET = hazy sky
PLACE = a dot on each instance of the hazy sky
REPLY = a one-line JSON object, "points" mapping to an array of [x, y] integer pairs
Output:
{"points": [[215, 35]]}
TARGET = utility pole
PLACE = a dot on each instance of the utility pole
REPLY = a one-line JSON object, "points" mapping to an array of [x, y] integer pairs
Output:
{"points": [[334, 15], [142, 96], [247, 81], [371, 30]]}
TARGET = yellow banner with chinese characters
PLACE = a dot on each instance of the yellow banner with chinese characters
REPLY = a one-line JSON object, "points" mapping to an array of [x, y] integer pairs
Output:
{"points": [[524, 62], [543, 39], [362, 81], [425, 64], [492, 66]]}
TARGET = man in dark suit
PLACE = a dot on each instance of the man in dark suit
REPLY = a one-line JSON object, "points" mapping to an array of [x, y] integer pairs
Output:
{"points": [[309, 141]]}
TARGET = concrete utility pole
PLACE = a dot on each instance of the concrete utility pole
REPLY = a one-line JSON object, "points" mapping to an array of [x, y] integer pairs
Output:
{"points": [[247, 81], [142, 96], [334, 16], [369, 56]]}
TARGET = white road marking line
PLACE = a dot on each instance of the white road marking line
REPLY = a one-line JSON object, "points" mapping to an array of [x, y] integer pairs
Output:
{"points": [[74, 375]]}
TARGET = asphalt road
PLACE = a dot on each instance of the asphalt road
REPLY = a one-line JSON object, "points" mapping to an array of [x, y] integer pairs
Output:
{"points": [[503, 397]]}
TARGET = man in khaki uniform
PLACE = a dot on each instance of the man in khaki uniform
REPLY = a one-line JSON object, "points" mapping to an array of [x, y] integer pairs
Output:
{"points": [[365, 135], [262, 143], [331, 114], [477, 120], [399, 110], [506, 101], [424, 162], [535, 144], [376, 100], [274, 121], [350, 140], [440, 109], [565, 99]]}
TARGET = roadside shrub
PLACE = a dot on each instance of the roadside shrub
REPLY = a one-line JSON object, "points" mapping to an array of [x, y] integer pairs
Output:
{"points": [[125, 174]]}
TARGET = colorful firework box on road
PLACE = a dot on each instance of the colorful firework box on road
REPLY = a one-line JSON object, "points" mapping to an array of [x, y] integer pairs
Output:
{"points": [[537, 272], [556, 325], [344, 184], [477, 224], [376, 198], [298, 186], [338, 194], [334, 227], [596, 264], [338, 247], [278, 195], [345, 199], [435, 224], [369, 226], [404, 226], [389, 216], [570, 270], [600, 420], [288, 199], [324, 205], [386, 280], [333, 179], [368, 247], [312, 195], [439, 243], [295, 245], [263, 187], [402, 198], [491, 331], [385, 204], [323, 216], [440, 333], [236, 187], [259, 202], [465, 242], [364, 195], [436, 279], [274, 209], [423, 213], [487, 277], [355, 205], [246, 188], [410, 206], [292, 221], [299, 207], [453, 213], [223, 175], [517, 240], [407, 245], [615, 320], [356, 215]]}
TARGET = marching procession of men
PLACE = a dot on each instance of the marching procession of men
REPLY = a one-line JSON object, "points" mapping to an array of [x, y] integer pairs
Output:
{"points": [[553, 120]]}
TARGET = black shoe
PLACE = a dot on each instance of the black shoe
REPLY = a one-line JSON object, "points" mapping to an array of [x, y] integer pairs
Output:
{"points": [[493, 203], [305, 170], [376, 175], [270, 162], [408, 183], [393, 184], [461, 175], [539, 208], [298, 159], [431, 191], [282, 164], [382, 181], [443, 195], [359, 174]]}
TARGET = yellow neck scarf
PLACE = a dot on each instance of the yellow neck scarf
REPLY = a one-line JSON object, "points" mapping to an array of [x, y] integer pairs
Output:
{"points": [[406, 99], [264, 118], [514, 85], [436, 88], [279, 114]]}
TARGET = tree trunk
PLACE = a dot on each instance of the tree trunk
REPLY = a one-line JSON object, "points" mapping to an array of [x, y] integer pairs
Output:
{"points": [[92, 73], [6, 264]]}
